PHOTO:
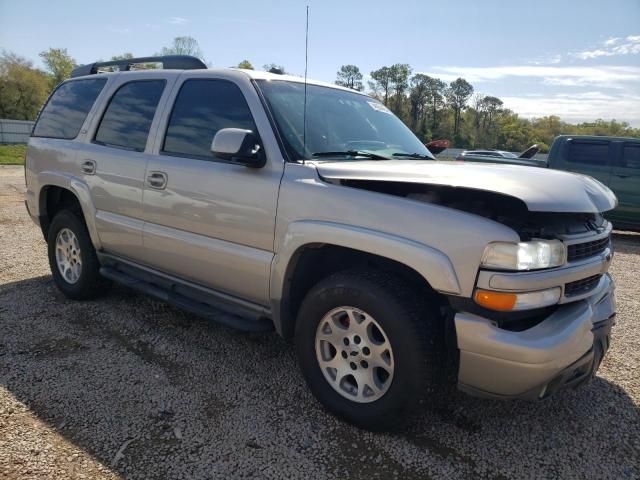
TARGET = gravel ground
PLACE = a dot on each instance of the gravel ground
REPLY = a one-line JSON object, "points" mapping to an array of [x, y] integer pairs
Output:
{"points": [[126, 387]]}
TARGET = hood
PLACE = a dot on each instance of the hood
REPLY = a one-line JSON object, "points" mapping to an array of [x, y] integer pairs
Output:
{"points": [[530, 152], [541, 189]]}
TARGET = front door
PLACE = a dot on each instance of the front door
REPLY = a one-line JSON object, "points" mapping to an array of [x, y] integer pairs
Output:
{"points": [[207, 220]]}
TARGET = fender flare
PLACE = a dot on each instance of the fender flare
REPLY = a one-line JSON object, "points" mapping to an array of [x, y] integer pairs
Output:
{"points": [[80, 189], [432, 264]]}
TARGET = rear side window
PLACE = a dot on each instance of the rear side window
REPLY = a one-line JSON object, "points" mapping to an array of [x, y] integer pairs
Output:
{"points": [[202, 108], [589, 153], [127, 120], [631, 156], [67, 109]]}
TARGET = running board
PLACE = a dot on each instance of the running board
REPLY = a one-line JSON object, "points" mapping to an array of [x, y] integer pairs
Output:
{"points": [[202, 306]]}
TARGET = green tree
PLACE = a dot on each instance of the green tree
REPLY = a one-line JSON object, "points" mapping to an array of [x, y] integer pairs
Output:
{"points": [[436, 89], [400, 73], [129, 56], [267, 67], [426, 99], [381, 83], [59, 64], [349, 76], [246, 64], [23, 89], [492, 106], [514, 133], [124, 56], [483, 114], [418, 101], [477, 106], [550, 126], [183, 46], [458, 94], [434, 110]]}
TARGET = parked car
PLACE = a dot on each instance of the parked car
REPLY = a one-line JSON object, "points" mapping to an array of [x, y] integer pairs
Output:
{"points": [[500, 156], [614, 161], [437, 146], [487, 153], [216, 190]]}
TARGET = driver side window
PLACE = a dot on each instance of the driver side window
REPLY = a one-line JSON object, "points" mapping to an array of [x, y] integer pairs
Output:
{"points": [[202, 107]]}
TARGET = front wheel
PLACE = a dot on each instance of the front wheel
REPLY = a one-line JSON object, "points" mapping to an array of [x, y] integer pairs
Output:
{"points": [[368, 346]]}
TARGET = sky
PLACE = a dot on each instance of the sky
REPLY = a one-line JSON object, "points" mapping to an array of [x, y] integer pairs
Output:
{"points": [[578, 59]]}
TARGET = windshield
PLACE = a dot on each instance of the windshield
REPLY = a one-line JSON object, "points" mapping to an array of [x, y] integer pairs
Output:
{"points": [[340, 124]]}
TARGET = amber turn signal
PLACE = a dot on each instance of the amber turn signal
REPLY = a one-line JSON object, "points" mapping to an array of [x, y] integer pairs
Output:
{"points": [[501, 301], [506, 302]]}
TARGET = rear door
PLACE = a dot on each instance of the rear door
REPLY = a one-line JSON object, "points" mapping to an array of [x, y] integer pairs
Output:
{"points": [[625, 183], [210, 221], [114, 159], [593, 157]]}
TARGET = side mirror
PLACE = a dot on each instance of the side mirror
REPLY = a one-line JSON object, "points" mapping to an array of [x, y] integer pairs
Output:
{"points": [[239, 146]]}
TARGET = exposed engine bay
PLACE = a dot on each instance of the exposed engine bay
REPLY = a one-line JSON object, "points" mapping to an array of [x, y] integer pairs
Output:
{"points": [[498, 207]]}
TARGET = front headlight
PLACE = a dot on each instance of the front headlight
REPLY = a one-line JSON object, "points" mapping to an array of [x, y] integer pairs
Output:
{"points": [[524, 255]]}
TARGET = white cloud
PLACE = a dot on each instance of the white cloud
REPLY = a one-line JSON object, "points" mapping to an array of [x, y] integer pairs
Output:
{"points": [[603, 76], [585, 100], [611, 41], [548, 60], [178, 20], [613, 46], [579, 107]]}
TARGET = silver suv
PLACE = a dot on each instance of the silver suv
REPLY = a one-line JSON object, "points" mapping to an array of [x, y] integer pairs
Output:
{"points": [[261, 201]]}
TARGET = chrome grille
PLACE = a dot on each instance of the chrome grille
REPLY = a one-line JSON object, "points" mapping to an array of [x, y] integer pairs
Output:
{"points": [[579, 287], [578, 251]]}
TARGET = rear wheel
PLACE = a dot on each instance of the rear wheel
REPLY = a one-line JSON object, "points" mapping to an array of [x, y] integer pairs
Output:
{"points": [[368, 346], [72, 258]]}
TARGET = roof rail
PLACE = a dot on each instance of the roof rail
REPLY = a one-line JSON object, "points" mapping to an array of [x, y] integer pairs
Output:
{"points": [[169, 62]]}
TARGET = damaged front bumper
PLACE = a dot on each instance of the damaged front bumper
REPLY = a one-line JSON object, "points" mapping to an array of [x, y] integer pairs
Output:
{"points": [[564, 350]]}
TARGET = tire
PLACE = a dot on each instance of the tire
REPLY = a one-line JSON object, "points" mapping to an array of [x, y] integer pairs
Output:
{"points": [[83, 280], [412, 329]]}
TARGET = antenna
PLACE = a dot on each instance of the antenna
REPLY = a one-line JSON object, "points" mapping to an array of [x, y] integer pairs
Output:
{"points": [[306, 62]]}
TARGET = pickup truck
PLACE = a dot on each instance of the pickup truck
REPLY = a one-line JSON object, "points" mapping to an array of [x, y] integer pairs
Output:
{"points": [[264, 201], [614, 161]]}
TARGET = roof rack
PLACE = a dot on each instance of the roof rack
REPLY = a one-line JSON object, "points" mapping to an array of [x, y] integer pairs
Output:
{"points": [[169, 62]]}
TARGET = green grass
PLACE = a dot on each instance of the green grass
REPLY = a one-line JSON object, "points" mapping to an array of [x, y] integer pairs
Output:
{"points": [[12, 154]]}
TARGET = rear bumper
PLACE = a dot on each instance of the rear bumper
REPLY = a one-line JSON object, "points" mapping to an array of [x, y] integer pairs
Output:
{"points": [[564, 350]]}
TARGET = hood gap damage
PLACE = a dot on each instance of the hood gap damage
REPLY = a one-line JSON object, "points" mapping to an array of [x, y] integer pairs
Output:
{"points": [[501, 208]]}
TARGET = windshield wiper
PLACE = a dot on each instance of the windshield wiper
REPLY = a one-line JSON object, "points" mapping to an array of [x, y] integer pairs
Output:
{"points": [[412, 155], [351, 153]]}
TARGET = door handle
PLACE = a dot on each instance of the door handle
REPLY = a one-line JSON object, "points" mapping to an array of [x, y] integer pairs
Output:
{"points": [[157, 180], [88, 167], [621, 176]]}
